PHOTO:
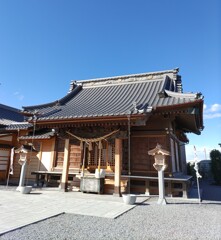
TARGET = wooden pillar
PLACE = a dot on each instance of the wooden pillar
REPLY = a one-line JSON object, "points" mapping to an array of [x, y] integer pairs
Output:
{"points": [[64, 177], [117, 173]]}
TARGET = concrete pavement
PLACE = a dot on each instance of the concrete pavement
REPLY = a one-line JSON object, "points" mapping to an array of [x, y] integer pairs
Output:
{"points": [[18, 210]]}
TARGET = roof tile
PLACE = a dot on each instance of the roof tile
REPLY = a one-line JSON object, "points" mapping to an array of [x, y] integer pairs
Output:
{"points": [[115, 96]]}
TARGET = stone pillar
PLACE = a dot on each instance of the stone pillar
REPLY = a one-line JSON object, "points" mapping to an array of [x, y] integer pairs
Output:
{"points": [[159, 155], [22, 176], [161, 199], [64, 177], [118, 160]]}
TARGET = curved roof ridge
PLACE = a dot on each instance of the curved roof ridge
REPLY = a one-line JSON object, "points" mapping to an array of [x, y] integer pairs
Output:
{"points": [[174, 71], [9, 108], [51, 104], [183, 95], [58, 102]]}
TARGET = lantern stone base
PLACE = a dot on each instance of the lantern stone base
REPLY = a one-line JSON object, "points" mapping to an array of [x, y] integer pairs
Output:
{"points": [[26, 189], [162, 201], [129, 198]]}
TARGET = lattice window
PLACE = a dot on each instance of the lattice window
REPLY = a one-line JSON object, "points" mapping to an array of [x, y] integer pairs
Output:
{"points": [[104, 154], [75, 156], [111, 154], [92, 159], [60, 153], [93, 156], [4, 158]]}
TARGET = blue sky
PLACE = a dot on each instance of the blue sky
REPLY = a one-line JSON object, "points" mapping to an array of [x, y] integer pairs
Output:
{"points": [[46, 44]]}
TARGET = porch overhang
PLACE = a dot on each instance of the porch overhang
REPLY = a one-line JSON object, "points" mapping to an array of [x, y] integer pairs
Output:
{"points": [[135, 120], [188, 116]]}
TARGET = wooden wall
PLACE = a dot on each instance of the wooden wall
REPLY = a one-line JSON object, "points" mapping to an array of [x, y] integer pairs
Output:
{"points": [[141, 162], [40, 160], [4, 162], [46, 155], [91, 157], [9, 140]]}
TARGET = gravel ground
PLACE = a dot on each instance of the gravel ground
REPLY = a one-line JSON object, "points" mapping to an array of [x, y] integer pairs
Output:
{"points": [[180, 219]]}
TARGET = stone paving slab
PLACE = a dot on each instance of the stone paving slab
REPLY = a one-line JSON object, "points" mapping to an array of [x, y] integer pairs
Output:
{"points": [[18, 210]]}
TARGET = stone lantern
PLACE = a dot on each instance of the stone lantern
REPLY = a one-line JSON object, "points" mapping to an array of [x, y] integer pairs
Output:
{"points": [[160, 165], [25, 152]]}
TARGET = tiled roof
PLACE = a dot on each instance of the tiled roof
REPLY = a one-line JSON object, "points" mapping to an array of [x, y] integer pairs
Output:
{"points": [[18, 125], [9, 115], [116, 96], [41, 135]]}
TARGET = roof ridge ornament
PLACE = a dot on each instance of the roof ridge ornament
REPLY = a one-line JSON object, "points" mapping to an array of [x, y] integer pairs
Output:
{"points": [[73, 85], [167, 93], [132, 78]]}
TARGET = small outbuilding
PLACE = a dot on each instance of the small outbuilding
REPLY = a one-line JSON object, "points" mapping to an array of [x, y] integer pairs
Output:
{"points": [[12, 124]]}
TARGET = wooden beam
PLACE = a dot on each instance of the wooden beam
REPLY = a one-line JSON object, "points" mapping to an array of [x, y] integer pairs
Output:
{"points": [[118, 161], [64, 177]]}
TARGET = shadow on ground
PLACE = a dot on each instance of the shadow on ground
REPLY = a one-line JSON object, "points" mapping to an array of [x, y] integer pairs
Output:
{"points": [[211, 192]]}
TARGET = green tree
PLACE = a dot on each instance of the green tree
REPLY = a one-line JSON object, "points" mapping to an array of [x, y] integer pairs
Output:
{"points": [[190, 170], [215, 157]]}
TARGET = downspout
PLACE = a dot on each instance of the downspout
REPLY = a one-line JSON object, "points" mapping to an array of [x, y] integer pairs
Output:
{"points": [[129, 157]]}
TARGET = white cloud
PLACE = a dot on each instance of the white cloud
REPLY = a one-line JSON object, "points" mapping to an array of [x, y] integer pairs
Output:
{"points": [[215, 107], [212, 115], [19, 96], [214, 111]]}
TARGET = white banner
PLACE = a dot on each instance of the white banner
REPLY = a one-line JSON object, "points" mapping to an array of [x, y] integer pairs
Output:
{"points": [[196, 167], [12, 161]]}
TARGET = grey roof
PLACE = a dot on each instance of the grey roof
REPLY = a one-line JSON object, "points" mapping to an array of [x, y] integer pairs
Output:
{"points": [[40, 135], [9, 115], [18, 125], [116, 96]]}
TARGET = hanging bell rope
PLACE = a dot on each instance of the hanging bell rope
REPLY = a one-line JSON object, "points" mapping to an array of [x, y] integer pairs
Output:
{"points": [[81, 145], [89, 141], [83, 165], [90, 148], [99, 161], [100, 146]]}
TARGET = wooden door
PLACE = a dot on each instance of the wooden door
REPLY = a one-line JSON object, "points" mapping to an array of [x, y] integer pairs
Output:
{"points": [[59, 153], [75, 156], [4, 161], [141, 162]]}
